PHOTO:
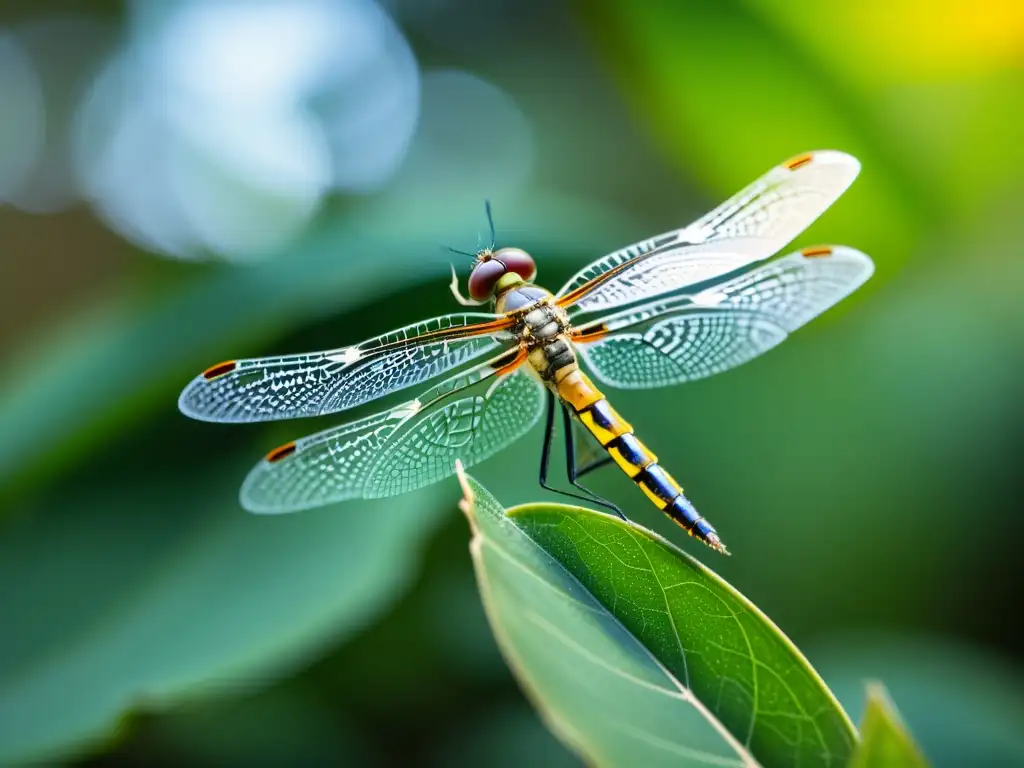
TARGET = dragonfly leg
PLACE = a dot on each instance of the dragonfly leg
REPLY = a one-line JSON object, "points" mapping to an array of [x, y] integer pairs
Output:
{"points": [[572, 472], [545, 460], [545, 451]]}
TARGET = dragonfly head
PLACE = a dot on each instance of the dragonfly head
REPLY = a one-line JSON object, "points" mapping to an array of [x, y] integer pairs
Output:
{"points": [[494, 272]]}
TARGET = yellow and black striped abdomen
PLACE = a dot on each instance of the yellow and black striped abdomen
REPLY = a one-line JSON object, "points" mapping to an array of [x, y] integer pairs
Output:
{"points": [[616, 436]]}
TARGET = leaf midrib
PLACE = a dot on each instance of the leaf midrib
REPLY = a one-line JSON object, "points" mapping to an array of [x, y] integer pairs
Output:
{"points": [[684, 693]]}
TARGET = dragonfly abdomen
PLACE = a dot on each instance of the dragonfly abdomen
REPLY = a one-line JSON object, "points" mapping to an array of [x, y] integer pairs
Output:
{"points": [[616, 436]]}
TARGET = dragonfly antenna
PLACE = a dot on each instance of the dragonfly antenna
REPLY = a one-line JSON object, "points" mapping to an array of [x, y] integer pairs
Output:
{"points": [[461, 253], [490, 220], [494, 239]]}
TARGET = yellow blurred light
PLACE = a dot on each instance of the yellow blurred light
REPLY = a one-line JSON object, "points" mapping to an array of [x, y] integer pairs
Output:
{"points": [[937, 38]]}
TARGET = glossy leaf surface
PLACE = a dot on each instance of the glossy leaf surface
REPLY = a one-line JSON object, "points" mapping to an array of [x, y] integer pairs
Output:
{"points": [[636, 653]]}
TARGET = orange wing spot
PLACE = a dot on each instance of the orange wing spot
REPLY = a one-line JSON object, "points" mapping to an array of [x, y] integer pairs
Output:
{"points": [[514, 363], [279, 453], [799, 161], [821, 250], [219, 369], [590, 334]]}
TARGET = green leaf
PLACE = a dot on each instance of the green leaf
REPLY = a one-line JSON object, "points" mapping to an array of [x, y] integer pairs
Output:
{"points": [[636, 654], [885, 741], [129, 599]]}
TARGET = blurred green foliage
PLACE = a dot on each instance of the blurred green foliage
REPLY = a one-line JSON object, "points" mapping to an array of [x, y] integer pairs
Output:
{"points": [[865, 474], [963, 706]]}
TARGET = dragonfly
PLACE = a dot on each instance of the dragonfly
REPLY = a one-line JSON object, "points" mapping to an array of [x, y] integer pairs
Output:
{"points": [[673, 308]]}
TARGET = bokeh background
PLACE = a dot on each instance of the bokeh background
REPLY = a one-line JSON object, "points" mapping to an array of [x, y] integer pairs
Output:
{"points": [[184, 181]]}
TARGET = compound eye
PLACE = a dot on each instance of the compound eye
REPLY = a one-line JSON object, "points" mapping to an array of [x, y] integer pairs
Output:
{"points": [[517, 260], [484, 278]]}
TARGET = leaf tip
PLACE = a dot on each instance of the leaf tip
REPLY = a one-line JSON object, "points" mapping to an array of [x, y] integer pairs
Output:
{"points": [[875, 689], [877, 696], [884, 735]]}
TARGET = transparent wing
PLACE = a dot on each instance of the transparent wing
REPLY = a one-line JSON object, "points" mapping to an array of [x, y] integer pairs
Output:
{"points": [[469, 416], [687, 346], [691, 337], [588, 449], [752, 225], [269, 388]]}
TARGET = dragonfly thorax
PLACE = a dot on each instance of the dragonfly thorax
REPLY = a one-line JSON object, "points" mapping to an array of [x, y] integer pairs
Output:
{"points": [[519, 297], [542, 324], [542, 330]]}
